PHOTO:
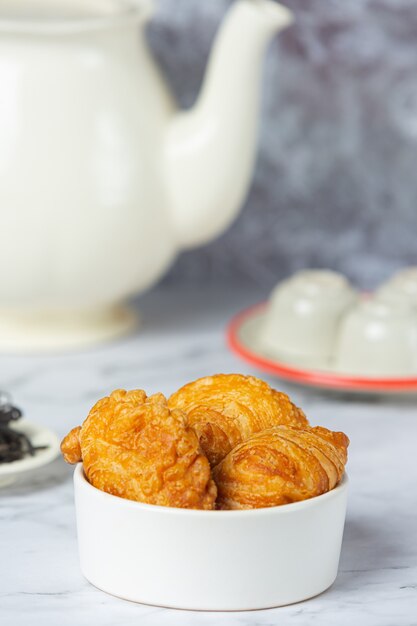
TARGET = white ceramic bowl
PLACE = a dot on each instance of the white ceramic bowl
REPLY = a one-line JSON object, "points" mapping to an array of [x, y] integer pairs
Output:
{"points": [[209, 560], [304, 315]]}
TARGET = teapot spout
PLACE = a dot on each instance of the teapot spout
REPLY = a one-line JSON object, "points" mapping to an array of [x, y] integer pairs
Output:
{"points": [[210, 149]]}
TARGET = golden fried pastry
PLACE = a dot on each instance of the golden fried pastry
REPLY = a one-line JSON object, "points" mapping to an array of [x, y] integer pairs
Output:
{"points": [[134, 447], [226, 409], [280, 465]]}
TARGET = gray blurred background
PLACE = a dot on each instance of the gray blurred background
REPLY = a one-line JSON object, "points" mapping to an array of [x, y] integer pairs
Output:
{"points": [[336, 178]]}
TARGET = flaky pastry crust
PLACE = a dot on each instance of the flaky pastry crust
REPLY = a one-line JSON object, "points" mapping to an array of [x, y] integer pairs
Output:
{"points": [[226, 409], [135, 447], [281, 465]]}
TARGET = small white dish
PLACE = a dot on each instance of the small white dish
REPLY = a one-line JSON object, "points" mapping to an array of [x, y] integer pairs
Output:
{"points": [[209, 560], [39, 436]]}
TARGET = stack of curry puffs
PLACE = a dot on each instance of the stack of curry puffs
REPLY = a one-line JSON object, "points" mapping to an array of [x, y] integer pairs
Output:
{"points": [[222, 442]]}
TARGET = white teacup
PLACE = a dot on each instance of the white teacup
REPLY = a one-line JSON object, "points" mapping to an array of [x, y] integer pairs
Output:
{"points": [[304, 316], [378, 338], [401, 288]]}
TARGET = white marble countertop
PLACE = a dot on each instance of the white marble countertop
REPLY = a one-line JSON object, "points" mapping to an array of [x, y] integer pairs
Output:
{"points": [[182, 337]]}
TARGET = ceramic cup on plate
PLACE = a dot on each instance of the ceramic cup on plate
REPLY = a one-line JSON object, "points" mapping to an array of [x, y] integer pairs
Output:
{"points": [[401, 288], [378, 338], [209, 560], [304, 314]]}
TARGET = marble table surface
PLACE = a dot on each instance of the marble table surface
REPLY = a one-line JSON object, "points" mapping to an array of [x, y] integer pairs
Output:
{"points": [[181, 338]]}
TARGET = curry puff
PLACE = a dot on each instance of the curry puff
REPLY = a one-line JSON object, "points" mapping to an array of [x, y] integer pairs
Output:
{"points": [[135, 447], [281, 465], [226, 409]]}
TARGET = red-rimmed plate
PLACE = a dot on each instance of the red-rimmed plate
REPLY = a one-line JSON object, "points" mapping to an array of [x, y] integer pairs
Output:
{"points": [[242, 336]]}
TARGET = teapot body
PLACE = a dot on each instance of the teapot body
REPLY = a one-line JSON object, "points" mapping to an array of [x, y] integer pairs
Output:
{"points": [[102, 178], [84, 212]]}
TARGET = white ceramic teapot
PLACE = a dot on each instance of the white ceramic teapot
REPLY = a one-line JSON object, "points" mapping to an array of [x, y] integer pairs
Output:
{"points": [[102, 179]]}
